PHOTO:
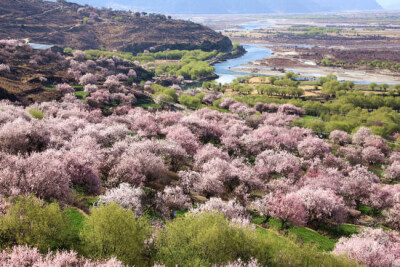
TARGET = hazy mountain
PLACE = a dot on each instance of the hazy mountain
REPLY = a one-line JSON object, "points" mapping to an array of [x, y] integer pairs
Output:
{"points": [[236, 6], [389, 4]]}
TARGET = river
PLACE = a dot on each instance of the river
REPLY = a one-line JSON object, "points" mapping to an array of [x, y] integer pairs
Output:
{"points": [[254, 52], [224, 69]]}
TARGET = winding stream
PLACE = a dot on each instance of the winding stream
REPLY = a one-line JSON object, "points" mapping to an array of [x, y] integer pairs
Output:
{"points": [[224, 69]]}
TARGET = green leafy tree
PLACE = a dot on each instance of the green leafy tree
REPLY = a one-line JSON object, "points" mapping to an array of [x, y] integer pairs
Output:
{"points": [[111, 231], [32, 222], [35, 113], [272, 79], [384, 86], [372, 86], [190, 101], [331, 87], [206, 239], [326, 62], [161, 90], [325, 79], [291, 75]]}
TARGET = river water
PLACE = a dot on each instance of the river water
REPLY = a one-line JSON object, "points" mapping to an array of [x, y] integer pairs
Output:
{"points": [[254, 52], [224, 69]]}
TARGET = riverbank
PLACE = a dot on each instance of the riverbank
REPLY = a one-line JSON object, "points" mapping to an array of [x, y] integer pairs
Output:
{"points": [[226, 69], [274, 60], [288, 59]]}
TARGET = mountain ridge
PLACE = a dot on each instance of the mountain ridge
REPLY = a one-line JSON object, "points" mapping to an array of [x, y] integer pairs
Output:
{"points": [[237, 6]]}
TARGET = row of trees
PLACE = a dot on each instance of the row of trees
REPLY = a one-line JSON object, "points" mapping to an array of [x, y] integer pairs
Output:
{"points": [[271, 90], [190, 69], [198, 239]]}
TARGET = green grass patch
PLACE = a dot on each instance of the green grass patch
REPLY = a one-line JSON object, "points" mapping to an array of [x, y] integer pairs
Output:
{"points": [[75, 218], [349, 229], [180, 213], [90, 201], [257, 219], [377, 169], [35, 113], [336, 231], [310, 118], [308, 236], [274, 222], [323, 242], [81, 95], [369, 211]]}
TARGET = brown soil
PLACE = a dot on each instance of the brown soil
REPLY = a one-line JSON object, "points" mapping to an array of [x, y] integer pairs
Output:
{"points": [[22, 83], [25, 83], [60, 23], [350, 55]]}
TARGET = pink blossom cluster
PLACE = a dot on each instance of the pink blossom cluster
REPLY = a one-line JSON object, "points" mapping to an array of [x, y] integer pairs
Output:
{"points": [[25, 256], [232, 210], [340, 137], [125, 195], [65, 88], [372, 247], [4, 68], [171, 199]]}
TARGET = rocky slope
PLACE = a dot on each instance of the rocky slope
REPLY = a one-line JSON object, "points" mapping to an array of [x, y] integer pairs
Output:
{"points": [[31, 75], [68, 24]]}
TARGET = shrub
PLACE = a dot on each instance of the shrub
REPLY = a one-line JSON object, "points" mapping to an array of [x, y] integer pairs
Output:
{"points": [[20, 136], [65, 88], [340, 137], [88, 79], [26, 256], [190, 101], [184, 137], [111, 231], [372, 155], [171, 199], [231, 210], [360, 136], [42, 174], [30, 221], [312, 147], [393, 171], [35, 113], [204, 239], [372, 247], [125, 195]]}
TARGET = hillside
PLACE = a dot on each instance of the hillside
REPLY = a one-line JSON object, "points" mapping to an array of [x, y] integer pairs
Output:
{"points": [[34, 73], [67, 24], [238, 6]]}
